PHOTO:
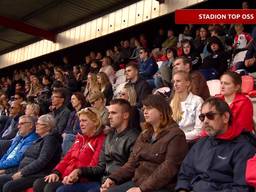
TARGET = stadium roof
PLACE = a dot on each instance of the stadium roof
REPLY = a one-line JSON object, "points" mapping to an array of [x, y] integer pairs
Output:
{"points": [[23, 22]]}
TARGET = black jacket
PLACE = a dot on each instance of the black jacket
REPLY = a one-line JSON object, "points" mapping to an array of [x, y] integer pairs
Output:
{"points": [[216, 165], [115, 153], [42, 156], [61, 116]]}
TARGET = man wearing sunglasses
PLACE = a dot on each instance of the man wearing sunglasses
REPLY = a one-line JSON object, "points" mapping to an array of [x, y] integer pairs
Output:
{"points": [[216, 162]]}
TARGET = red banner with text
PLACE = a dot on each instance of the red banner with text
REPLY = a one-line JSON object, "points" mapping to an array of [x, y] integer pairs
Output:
{"points": [[211, 16]]}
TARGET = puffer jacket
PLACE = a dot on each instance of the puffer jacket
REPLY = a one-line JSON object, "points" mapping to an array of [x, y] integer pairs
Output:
{"points": [[84, 152], [154, 165]]}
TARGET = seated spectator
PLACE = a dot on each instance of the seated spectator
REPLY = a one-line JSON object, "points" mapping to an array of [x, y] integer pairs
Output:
{"points": [[128, 93], [125, 52], [198, 82], [159, 39], [156, 156], [84, 152], [163, 76], [25, 137], [105, 86], [92, 86], [216, 63], [60, 111], [136, 52], [189, 52], [186, 106], [108, 69], [216, 162], [147, 66], [9, 128], [201, 41], [117, 148], [242, 39], [4, 105], [72, 127], [38, 159], [171, 40], [98, 101], [240, 105], [250, 58], [44, 98], [35, 86], [32, 109], [141, 87]]}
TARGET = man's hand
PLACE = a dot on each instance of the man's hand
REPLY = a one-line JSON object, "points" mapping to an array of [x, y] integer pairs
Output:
{"points": [[134, 189], [51, 178], [16, 176], [106, 185]]}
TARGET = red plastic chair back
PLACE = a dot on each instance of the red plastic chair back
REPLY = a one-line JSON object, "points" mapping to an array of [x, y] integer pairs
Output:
{"points": [[247, 84]]}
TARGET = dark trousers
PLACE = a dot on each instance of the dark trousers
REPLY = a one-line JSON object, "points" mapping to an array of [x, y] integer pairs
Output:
{"points": [[9, 185], [80, 187], [4, 145], [125, 186], [41, 186]]}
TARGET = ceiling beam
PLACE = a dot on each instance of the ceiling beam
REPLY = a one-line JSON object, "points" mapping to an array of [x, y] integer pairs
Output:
{"points": [[26, 28]]}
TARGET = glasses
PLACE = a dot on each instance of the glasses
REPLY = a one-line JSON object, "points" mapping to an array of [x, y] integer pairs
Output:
{"points": [[23, 123], [210, 115], [141, 52], [16, 98]]}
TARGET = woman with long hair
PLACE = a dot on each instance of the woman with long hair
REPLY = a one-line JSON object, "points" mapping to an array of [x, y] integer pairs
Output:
{"points": [[186, 106], [105, 86], [240, 105], [92, 85], [108, 69], [128, 93], [157, 154], [72, 128]]}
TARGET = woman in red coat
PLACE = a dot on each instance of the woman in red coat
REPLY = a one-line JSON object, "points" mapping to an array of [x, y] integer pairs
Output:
{"points": [[84, 152], [240, 105]]}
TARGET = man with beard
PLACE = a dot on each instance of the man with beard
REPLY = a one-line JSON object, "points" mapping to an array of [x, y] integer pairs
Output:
{"points": [[216, 162]]}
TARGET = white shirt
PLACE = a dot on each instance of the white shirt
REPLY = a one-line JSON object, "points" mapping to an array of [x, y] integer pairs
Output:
{"points": [[190, 122]]}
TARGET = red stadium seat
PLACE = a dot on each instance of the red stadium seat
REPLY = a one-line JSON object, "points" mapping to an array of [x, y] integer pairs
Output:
{"points": [[247, 84]]}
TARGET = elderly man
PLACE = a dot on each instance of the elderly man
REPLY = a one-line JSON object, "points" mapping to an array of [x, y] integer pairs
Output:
{"points": [[25, 137], [217, 162]]}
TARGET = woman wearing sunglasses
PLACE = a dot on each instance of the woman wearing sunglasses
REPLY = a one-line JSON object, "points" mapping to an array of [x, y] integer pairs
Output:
{"points": [[157, 154], [84, 152], [240, 105], [186, 106]]}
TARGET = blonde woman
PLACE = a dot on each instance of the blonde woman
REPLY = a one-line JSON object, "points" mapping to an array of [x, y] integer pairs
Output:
{"points": [[35, 86], [108, 69], [32, 109], [105, 86], [186, 106], [128, 93], [92, 86]]}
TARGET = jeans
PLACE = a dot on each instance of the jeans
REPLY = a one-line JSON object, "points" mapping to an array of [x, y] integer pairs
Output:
{"points": [[67, 142], [80, 187]]}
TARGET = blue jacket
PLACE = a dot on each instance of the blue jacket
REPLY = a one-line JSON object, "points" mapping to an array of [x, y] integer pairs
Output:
{"points": [[147, 68], [24, 143], [215, 165]]}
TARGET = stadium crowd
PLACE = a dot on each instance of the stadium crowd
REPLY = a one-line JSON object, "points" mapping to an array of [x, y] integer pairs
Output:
{"points": [[138, 118]]}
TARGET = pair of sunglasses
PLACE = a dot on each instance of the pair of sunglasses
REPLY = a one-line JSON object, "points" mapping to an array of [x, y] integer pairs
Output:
{"points": [[210, 115]]}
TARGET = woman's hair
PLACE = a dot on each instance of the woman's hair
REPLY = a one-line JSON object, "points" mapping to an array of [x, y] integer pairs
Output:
{"points": [[93, 83], [94, 116], [236, 78], [132, 96], [176, 100], [108, 60], [80, 97], [159, 102], [104, 80], [35, 107], [49, 120]]}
